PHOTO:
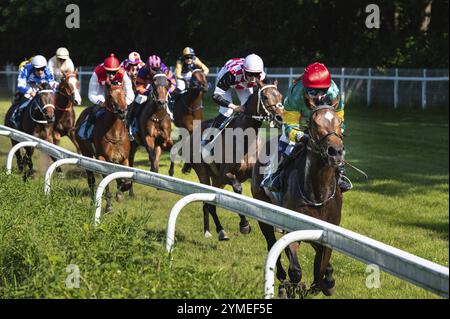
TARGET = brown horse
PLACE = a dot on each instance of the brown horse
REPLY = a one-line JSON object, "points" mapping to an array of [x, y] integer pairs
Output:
{"points": [[310, 188], [110, 141], [155, 126], [37, 120], [67, 95], [265, 104], [188, 106]]}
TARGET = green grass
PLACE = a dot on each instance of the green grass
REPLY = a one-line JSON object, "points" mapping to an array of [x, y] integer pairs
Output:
{"points": [[404, 204]]}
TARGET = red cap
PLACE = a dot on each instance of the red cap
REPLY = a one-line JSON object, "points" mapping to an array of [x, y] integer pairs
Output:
{"points": [[316, 76], [111, 63]]}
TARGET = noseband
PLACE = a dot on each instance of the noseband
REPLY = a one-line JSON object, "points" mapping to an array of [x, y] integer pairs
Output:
{"points": [[41, 108], [314, 145], [268, 115]]}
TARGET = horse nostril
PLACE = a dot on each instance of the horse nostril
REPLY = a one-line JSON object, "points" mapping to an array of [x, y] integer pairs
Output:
{"points": [[332, 151]]}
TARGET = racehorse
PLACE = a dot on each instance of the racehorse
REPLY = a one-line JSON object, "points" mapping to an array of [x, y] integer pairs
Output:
{"points": [[309, 187], [154, 124], [67, 95], [37, 120], [110, 141], [265, 104], [188, 107]]}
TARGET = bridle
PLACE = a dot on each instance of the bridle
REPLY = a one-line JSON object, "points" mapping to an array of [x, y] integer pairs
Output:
{"points": [[66, 91], [112, 106], [41, 108], [315, 145], [267, 116], [156, 78]]}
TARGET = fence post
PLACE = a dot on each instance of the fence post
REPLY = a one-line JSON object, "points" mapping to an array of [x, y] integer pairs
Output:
{"points": [[424, 90], [396, 89], [342, 84], [369, 86]]}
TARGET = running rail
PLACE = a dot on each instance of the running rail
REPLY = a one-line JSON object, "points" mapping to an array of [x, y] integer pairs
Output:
{"points": [[411, 268]]}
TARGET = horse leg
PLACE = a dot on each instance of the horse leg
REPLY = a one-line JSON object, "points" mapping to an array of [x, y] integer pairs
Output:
{"points": [[28, 159], [150, 146], [108, 196], [133, 150], [91, 183], [72, 136], [19, 157], [171, 169], [122, 184], [323, 271], [158, 152], [295, 271], [269, 234], [244, 225]]}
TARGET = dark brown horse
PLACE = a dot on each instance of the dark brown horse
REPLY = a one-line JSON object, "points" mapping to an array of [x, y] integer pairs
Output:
{"points": [[264, 104], [155, 126], [67, 95], [37, 120], [188, 106], [110, 141], [310, 188]]}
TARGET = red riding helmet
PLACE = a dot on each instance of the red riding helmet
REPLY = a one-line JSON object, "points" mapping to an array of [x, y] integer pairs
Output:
{"points": [[316, 76], [111, 63]]}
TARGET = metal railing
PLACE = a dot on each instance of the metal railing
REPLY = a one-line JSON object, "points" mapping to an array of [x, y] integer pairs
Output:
{"points": [[416, 270]]}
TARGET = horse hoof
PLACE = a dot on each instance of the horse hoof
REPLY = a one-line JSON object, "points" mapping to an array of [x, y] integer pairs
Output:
{"points": [[329, 288], [245, 229], [60, 175], [108, 209], [208, 234], [171, 172], [223, 235], [119, 197]]}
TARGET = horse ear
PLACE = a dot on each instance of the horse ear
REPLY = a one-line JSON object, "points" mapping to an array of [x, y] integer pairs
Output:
{"points": [[275, 83], [76, 71]]}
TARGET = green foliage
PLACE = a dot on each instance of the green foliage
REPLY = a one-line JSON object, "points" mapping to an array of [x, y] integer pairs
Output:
{"points": [[289, 33]]}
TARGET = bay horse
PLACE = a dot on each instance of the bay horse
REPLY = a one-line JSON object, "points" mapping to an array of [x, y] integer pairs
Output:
{"points": [[154, 124], [265, 104], [309, 187], [110, 141], [37, 120], [188, 107], [67, 96]]}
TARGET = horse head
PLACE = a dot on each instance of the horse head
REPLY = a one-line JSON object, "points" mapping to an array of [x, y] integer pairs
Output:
{"points": [[44, 102], [269, 102], [326, 135], [70, 87], [199, 81], [160, 89], [115, 101]]}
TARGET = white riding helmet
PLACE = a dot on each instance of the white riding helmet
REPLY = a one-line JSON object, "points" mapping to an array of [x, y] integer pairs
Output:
{"points": [[62, 53], [253, 63], [38, 62]]}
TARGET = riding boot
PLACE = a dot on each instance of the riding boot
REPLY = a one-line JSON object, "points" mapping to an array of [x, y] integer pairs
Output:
{"points": [[16, 116], [92, 115], [273, 181], [343, 181]]}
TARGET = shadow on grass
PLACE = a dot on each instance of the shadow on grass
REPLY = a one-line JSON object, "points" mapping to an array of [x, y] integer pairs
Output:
{"points": [[439, 228]]}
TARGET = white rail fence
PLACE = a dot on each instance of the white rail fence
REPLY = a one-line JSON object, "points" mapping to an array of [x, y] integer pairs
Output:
{"points": [[351, 82], [416, 270]]}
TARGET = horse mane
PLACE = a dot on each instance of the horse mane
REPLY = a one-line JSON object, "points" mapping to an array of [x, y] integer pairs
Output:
{"points": [[45, 86]]}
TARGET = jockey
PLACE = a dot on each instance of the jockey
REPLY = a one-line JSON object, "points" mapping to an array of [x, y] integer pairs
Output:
{"points": [[187, 63], [145, 76], [240, 75], [31, 74], [105, 74], [60, 63], [132, 65], [314, 85]]}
